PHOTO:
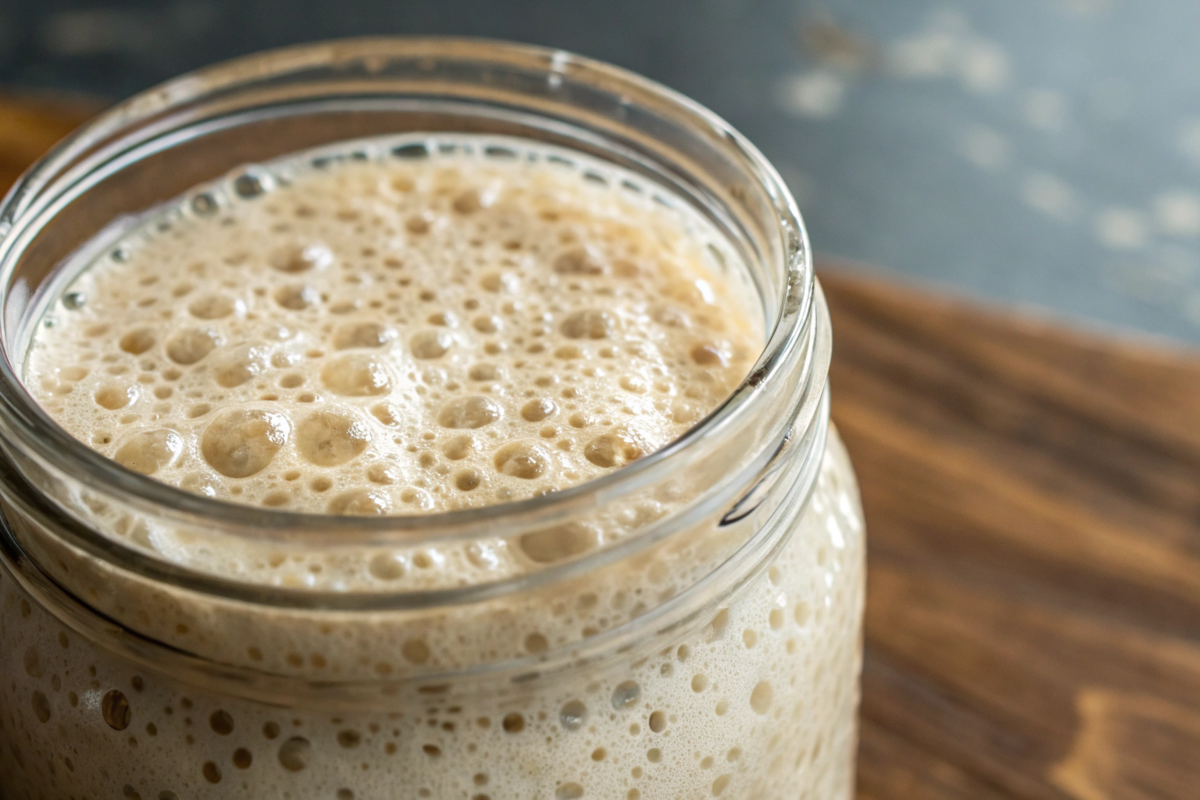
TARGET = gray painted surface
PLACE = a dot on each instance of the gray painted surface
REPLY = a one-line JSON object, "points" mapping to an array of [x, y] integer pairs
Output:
{"points": [[1041, 152]]}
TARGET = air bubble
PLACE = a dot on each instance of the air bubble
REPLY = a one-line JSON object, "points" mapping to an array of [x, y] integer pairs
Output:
{"points": [[573, 715], [361, 502], [204, 205], [484, 372], [73, 301], [221, 723], [241, 364], [428, 345], [41, 707], [296, 298], [362, 334], [614, 449], [522, 459], [115, 710], [252, 183], [387, 566], [559, 543], [330, 438], [356, 375], [578, 261], [137, 341], [708, 355], [469, 412], [189, 346], [215, 306], [294, 754], [587, 324], [241, 442], [626, 695], [315, 256], [114, 396], [761, 697], [149, 451], [468, 480], [568, 791], [537, 410]]}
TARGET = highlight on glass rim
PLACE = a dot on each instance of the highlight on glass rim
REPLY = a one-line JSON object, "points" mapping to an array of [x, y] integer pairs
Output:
{"points": [[459, 401]]}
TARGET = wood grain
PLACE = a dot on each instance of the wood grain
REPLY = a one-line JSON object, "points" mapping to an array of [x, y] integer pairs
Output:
{"points": [[1033, 507], [1033, 503]]}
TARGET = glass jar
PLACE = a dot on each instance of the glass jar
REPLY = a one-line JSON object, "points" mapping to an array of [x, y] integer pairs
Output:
{"points": [[687, 626]]}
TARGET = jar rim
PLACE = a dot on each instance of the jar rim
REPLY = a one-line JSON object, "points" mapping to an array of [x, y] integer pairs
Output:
{"points": [[27, 426]]}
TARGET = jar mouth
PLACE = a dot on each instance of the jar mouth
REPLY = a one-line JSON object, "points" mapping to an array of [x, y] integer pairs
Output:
{"points": [[30, 431]]}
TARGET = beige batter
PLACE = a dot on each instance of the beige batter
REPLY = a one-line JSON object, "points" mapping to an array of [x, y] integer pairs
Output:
{"points": [[400, 337]]}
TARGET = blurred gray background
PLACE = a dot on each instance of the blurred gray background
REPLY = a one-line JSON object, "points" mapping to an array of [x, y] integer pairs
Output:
{"points": [[1035, 152]]}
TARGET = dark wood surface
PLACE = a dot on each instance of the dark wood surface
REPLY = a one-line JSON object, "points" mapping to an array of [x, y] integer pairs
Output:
{"points": [[1033, 505]]}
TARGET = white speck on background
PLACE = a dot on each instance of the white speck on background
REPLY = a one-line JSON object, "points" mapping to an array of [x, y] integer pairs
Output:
{"points": [[948, 48], [817, 94], [1045, 110], [1049, 195], [984, 147], [1177, 212], [1121, 228], [932, 55], [983, 66], [1188, 140]]}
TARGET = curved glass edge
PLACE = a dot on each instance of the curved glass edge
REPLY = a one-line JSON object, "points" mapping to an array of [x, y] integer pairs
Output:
{"points": [[36, 439]]}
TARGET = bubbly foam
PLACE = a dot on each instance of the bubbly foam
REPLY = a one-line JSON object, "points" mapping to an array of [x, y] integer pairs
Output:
{"points": [[388, 335], [399, 336]]}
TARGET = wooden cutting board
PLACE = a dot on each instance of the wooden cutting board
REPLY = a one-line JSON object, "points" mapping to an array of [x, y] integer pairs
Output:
{"points": [[1033, 505]]}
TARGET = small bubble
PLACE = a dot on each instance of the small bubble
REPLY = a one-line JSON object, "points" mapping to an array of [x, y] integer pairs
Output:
{"points": [[149, 451], [242, 442], [429, 345], [538, 410], [559, 543], [41, 707], [204, 205], [613, 449], [330, 438], [115, 710], [387, 566], [761, 697], [221, 723], [626, 694], [189, 346], [469, 412], [293, 754], [137, 341], [573, 715], [356, 375], [522, 459], [568, 791], [587, 324], [360, 502], [252, 183], [73, 301], [514, 723]]}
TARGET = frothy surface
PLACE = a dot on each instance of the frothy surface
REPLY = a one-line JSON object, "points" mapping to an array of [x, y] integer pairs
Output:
{"points": [[400, 336], [397, 336]]}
